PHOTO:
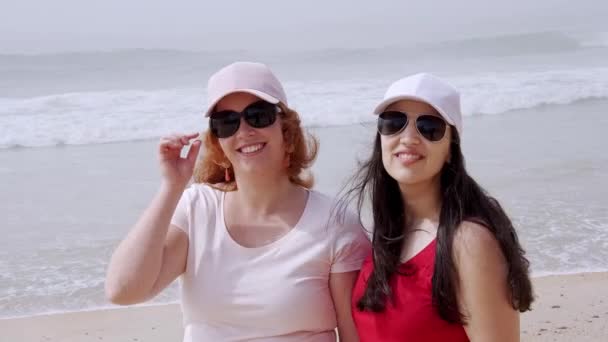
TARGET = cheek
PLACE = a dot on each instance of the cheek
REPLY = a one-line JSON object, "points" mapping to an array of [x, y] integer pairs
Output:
{"points": [[226, 147], [438, 156], [386, 145]]}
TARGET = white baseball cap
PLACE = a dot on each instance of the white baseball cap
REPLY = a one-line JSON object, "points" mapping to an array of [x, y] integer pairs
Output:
{"points": [[426, 88], [247, 77]]}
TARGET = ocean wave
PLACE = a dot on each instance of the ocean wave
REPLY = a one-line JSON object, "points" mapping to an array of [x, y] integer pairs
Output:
{"points": [[114, 116]]}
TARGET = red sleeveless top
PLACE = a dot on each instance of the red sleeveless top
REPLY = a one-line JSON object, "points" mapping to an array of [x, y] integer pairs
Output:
{"points": [[410, 315]]}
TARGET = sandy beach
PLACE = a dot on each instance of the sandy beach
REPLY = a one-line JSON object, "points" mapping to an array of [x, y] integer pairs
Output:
{"points": [[568, 308]]}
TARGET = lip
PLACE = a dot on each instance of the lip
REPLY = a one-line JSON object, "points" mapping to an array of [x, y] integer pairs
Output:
{"points": [[408, 157], [253, 153]]}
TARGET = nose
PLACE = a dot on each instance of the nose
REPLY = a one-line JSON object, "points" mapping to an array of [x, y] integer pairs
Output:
{"points": [[245, 129], [410, 134]]}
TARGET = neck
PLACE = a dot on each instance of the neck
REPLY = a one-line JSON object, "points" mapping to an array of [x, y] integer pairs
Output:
{"points": [[423, 200], [264, 195]]}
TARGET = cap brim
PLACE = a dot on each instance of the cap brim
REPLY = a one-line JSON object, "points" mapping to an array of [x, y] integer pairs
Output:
{"points": [[261, 95], [387, 102]]}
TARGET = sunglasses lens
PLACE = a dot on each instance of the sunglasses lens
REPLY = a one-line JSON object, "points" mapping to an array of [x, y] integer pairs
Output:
{"points": [[224, 124], [390, 123], [261, 114], [431, 127], [258, 115]]}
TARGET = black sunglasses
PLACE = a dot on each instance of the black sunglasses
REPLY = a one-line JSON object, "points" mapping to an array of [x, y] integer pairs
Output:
{"points": [[259, 114], [431, 127]]}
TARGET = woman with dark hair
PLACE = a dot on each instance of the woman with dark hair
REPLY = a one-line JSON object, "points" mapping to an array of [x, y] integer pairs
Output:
{"points": [[249, 239], [446, 263]]}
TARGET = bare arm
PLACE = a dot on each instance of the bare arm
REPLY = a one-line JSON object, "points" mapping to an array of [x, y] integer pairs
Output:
{"points": [[483, 293], [153, 254], [341, 287]]}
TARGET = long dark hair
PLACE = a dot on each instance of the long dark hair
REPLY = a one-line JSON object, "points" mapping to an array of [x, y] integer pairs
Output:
{"points": [[462, 199]]}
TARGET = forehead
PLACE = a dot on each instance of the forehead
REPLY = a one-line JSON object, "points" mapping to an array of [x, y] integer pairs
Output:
{"points": [[413, 107]]}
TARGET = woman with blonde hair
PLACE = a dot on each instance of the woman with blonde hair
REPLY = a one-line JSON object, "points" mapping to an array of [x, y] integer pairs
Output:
{"points": [[252, 243]]}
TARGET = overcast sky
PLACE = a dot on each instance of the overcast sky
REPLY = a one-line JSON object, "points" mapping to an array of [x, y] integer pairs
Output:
{"points": [[73, 25]]}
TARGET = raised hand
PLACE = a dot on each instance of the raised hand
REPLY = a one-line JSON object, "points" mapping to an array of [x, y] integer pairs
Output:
{"points": [[175, 170]]}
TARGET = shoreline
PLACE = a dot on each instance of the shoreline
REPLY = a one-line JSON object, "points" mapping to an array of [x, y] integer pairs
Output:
{"points": [[110, 307], [567, 307]]}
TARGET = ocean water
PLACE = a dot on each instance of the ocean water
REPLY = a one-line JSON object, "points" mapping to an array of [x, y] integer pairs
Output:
{"points": [[89, 98], [77, 134]]}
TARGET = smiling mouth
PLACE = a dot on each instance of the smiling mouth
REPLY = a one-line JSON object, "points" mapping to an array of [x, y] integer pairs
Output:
{"points": [[251, 149], [408, 157]]}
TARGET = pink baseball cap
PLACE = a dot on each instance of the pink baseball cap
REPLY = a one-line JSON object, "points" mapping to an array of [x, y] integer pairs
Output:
{"points": [[426, 88], [247, 77]]}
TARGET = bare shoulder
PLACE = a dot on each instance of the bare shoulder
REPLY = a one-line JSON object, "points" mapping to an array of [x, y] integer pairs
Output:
{"points": [[476, 247], [483, 289]]}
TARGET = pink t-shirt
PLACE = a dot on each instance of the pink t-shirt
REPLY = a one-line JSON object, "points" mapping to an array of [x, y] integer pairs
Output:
{"points": [[277, 292]]}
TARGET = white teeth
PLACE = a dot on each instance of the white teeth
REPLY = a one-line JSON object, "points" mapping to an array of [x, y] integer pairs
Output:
{"points": [[409, 157], [252, 148]]}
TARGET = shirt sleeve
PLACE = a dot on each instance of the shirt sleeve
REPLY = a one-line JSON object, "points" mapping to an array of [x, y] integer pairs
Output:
{"points": [[198, 200], [351, 245], [181, 214]]}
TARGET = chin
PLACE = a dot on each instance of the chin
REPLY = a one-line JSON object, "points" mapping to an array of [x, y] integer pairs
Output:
{"points": [[406, 177], [407, 181], [257, 167]]}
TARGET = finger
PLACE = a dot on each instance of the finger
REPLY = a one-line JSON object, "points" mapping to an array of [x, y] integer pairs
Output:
{"points": [[193, 153], [187, 138], [178, 137], [171, 144]]}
